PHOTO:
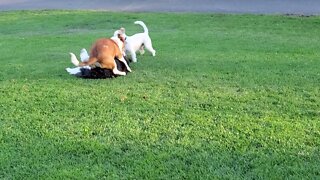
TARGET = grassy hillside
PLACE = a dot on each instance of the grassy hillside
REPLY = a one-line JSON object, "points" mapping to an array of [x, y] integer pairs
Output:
{"points": [[227, 96]]}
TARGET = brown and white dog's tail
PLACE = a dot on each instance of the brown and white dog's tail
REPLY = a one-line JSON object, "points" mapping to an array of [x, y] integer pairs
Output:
{"points": [[143, 25], [76, 62]]}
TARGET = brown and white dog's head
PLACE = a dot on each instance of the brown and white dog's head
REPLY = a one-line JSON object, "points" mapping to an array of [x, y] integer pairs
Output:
{"points": [[120, 35]]}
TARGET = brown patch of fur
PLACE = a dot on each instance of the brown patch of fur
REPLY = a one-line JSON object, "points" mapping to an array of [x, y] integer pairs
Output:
{"points": [[103, 51]]}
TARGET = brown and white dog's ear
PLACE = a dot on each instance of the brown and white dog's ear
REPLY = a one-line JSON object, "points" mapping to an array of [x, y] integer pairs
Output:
{"points": [[121, 38], [121, 34], [122, 30]]}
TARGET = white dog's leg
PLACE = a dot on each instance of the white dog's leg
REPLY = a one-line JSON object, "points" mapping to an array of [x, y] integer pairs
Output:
{"points": [[133, 55], [141, 50], [149, 47], [116, 71], [125, 63]]}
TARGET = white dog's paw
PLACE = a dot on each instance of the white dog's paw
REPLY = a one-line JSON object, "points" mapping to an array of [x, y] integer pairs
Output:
{"points": [[84, 56], [134, 59], [74, 59]]}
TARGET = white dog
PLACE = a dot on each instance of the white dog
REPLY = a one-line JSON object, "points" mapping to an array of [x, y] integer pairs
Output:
{"points": [[138, 42]]}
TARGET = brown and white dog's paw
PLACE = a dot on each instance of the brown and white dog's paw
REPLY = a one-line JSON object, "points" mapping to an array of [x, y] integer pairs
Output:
{"points": [[117, 72]]}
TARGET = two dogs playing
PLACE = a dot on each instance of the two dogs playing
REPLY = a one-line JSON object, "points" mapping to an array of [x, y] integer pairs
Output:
{"points": [[106, 51]]}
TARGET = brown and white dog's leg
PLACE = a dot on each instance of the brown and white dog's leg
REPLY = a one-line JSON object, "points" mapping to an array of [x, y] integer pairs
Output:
{"points": [[109, 63], [117, 72], [125, 63]]}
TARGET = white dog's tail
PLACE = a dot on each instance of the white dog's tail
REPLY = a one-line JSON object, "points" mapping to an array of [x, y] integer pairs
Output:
{"points": [[143, 25]]}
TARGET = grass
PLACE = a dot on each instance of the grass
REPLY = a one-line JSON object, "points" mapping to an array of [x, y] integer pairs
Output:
{"points": [[226, 97]]}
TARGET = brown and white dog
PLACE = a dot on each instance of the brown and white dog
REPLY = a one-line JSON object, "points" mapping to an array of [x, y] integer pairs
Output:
{"points": [[104, 51]]}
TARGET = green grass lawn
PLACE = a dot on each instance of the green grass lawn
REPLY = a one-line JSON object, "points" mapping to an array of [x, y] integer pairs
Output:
{"points": [[227, 97]]}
